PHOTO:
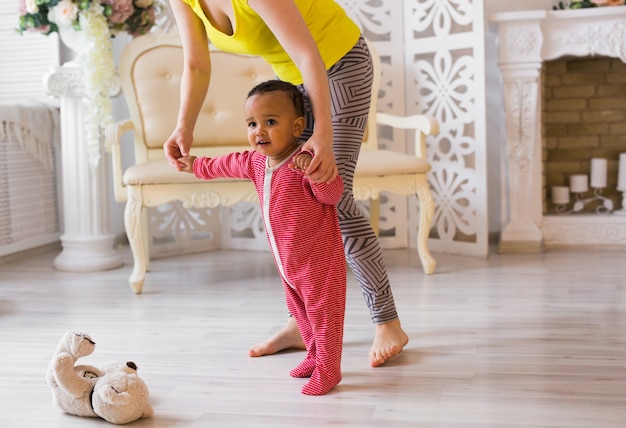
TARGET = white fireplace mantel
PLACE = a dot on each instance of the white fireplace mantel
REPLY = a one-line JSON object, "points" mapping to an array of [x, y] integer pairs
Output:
{"points": [[527, 39]]}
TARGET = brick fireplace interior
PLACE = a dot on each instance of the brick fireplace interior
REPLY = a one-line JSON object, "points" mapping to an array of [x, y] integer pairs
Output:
{"points": [[584, 117]]}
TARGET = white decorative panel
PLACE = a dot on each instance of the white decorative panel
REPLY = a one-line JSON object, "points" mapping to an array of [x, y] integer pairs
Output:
{"points": [[432, 54], [432, 62], [379, 22], [445, 66]]}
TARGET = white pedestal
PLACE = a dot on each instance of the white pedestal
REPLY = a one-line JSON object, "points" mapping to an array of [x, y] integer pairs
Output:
{"points": [[87, 242]]}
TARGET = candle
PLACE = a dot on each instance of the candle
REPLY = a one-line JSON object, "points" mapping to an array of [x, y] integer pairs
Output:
{"points": [[579, 183], [560, 195], [621, 178], [598, 173]]}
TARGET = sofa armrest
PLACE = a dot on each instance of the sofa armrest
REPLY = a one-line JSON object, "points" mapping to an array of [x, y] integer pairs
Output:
{"points": [[421, 124], [113, 139]]}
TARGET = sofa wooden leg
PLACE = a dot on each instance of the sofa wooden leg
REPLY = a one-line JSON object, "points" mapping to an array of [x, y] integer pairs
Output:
{"points": [[427, 212], [134, 232]]}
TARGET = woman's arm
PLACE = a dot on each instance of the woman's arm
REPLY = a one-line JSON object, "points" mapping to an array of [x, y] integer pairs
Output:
{"points": [[284, 19], [194, 83]]}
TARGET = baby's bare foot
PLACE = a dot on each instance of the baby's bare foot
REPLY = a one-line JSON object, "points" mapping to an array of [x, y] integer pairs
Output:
{"points": [[287, 337], [389, 340]]}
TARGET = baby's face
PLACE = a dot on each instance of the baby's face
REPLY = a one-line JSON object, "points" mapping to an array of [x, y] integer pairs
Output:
{"points": [[273, 125]]}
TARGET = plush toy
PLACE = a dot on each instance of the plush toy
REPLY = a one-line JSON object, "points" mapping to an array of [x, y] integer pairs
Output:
{"points": [[113, 391]]}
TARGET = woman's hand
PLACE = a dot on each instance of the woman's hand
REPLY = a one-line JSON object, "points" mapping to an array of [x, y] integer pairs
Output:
{"points": [[177, 146], [322, 168]]}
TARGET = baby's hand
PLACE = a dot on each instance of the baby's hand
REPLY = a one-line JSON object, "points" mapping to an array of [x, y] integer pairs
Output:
{"points": [[302, 160], [185, 164]]}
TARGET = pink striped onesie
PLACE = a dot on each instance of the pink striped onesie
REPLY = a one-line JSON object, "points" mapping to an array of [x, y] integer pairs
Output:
{"points": [[303, 231]]}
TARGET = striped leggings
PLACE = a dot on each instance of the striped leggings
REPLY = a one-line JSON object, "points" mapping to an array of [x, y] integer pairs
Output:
{"points": [[350, 82]]}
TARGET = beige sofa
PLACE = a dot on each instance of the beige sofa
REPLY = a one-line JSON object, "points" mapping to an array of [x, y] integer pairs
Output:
{"points": [[150, 73]]}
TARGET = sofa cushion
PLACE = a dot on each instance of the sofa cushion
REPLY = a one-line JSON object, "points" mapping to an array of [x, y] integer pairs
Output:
{"points": [[384, 162], [370, 164], [160, 172]]}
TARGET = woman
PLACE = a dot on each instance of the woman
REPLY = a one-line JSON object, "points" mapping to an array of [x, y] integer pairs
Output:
{"points": [[315, 45]]}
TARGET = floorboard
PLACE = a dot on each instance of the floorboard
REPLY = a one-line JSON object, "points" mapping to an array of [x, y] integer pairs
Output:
{"points": [[511, 341]]}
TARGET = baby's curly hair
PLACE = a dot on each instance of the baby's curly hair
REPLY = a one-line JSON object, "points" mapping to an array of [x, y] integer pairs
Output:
{"points": [[278, 85]]}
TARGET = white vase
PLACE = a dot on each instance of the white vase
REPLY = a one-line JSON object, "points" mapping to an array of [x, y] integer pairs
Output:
{"points": [[73, 40]]}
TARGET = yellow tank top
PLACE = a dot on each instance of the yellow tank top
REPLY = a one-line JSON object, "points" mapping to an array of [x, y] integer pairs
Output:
{"points": [[334, 32]]}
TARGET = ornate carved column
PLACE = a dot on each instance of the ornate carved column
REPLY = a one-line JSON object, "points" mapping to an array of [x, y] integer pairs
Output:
{"points": [[87, 242], [520, 63]]}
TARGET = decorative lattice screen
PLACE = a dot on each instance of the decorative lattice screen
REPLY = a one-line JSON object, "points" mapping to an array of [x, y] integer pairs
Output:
{"points": [[432, 54]]}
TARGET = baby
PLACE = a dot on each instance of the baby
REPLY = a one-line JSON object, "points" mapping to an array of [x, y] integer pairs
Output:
{"points": [[300, 220]]}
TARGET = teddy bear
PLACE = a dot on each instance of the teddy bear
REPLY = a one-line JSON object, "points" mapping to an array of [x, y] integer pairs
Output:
{"points": [[113, 391]]}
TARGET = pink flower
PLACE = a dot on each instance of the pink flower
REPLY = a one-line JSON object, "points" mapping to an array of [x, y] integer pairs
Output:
{"points": [[608, 2], [21, 8], [122, 10], [42, 29]]}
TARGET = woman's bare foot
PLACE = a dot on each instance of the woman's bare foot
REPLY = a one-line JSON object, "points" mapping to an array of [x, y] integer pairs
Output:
{"points": [[287, 337], [389, 340]]}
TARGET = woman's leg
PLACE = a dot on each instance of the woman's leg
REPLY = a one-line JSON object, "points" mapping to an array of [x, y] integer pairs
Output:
{"points": [[353, 75], [350, 85]]}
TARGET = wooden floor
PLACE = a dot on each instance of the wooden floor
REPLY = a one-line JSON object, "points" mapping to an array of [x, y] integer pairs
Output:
{"points": [[511, 341]]}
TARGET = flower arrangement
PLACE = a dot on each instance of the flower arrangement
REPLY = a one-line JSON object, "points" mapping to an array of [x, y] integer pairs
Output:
{"points": [[134, 17], [583, 4], [96, 22]]}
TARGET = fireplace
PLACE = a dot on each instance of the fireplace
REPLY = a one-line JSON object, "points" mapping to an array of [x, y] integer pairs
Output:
{"points": [[583, 118], [526, 40]]}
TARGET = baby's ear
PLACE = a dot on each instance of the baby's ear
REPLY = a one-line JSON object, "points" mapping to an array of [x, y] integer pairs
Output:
{"points": [[298, 126]]}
